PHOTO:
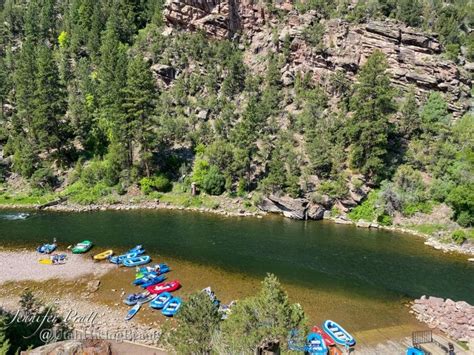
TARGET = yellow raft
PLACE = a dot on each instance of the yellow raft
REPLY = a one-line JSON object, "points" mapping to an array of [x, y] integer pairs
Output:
{"points": [[104, 255]]}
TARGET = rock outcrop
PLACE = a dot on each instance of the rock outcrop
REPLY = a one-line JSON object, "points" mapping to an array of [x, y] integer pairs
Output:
{"points": [[414, 57], [295, 208], [454, 318]]}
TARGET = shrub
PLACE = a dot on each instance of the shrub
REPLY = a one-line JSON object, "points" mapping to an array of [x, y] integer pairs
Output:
{"points": [[158, 183], [213, 181], [43, 179], [458, 236], [335, 189], [385, 219], [367, 210]]}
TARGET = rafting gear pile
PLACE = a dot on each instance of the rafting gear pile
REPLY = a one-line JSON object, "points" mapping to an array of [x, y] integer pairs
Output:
{"points": [[55, 259]]}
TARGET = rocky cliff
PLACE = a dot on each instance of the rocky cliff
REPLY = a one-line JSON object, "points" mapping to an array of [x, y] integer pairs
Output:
{"points": [[415, 58]]}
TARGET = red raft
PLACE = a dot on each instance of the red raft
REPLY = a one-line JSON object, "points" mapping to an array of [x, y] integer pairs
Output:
{"points": [[327, 339], [164, 287]]}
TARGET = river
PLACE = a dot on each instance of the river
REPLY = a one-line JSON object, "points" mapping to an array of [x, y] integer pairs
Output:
{"points": [[359, 277]]}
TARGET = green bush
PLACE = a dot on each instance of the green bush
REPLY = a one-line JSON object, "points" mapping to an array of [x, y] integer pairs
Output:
{"points": [[213, 181], [385, 220], [366, 211], [158, 183], [459, 236], [43, 179], [334, 189]]}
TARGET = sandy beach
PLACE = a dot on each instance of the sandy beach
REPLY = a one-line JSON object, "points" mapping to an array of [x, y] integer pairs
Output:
{"points": [[23, 265]]}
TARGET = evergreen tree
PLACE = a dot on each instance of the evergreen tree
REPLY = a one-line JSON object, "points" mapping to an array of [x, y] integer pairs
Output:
{"points": [[369, 127], [409, 123], [50, 130], [111, 75], [4, 85], [25, 87], [434, 115], [4, 342], [197, 321], [267, 316], [138, 105], [410, 11]]}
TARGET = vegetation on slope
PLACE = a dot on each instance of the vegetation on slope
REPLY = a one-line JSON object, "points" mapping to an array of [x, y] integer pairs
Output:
{"points": [[84, 112]]}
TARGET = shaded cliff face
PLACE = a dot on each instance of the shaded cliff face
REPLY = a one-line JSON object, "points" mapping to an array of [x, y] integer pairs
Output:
{"points": [[415, 58]]}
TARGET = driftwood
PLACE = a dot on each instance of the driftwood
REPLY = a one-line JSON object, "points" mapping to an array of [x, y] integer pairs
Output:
{"points": [[51, 203]]}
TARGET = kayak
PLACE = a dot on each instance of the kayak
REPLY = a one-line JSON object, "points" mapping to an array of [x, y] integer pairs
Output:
{"points": [[327, 339], [172, 307], [164, 287], [131, 313], [119, 259], [157, 269], [136, 261], [153, 281], [47, 248], [161, 300], [104, 255], [82, 247], [315, 344], [338, 333]]}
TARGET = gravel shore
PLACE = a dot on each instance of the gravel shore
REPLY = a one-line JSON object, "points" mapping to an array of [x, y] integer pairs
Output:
{"points": [[23, 265]]}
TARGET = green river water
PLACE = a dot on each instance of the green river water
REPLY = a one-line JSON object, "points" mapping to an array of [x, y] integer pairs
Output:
{"points": [[357, 276]]}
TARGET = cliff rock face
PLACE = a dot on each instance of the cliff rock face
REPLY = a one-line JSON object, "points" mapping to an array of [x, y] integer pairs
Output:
{"points": [[414, 57]]}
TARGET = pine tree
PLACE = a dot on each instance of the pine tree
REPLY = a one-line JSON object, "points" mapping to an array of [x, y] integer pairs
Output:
{"points": [[409, 123], [372, 102], [111, 75], [49, 103], [410, 11], [138, 105], [4, 85], [25, 87], [4, 342]]}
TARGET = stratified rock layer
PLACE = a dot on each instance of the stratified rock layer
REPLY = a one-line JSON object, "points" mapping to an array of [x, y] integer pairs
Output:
{"points": [[414, 57]]}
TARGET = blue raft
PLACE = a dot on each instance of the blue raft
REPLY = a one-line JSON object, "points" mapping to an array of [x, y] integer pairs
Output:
{"points": [[315, 344], [172, 307], [136, 261], [47, 248], [338, 333], [120, 258], [161, 301]]}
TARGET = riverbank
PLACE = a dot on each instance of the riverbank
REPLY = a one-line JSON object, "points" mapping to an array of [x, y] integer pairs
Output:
{"points": [[233, 207]]}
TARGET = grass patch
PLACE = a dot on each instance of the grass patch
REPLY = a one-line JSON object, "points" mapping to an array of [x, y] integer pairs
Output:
{"points": [[428, 228], [35, 198]]}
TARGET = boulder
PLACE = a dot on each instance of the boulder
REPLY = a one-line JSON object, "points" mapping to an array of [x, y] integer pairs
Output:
{"points": [[453, 318], [362, 224], [315, 211], [294, 208]]}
